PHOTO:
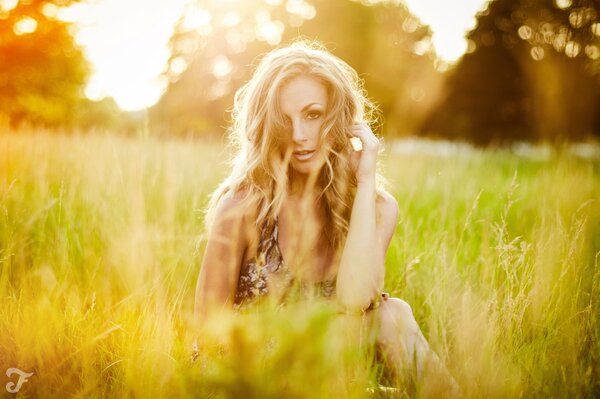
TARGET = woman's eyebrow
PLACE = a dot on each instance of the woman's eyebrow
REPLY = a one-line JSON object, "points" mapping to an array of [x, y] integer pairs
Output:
{"points": [[308, 106], [304, 108]]}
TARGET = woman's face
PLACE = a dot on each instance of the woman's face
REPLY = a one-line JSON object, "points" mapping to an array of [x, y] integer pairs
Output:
{"points": [[303, 102]]}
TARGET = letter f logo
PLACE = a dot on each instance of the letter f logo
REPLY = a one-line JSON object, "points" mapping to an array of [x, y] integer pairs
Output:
{"points": [[11, 386]]}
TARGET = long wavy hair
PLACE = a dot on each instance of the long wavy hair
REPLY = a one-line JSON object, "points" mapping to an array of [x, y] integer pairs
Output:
{"points": [[260, 169]]}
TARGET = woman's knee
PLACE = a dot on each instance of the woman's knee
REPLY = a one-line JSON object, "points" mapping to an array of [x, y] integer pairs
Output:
{"points": [[394, 315], [397, 308]]}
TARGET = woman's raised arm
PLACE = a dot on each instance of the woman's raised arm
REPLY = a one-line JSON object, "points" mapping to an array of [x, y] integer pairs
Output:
{"points": [[372, 223]]}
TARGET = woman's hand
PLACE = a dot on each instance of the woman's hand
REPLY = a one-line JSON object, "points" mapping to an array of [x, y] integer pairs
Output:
{"points": [[364, 161]]}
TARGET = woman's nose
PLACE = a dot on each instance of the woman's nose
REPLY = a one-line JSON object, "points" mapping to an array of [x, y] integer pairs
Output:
{"points": [[298, 133]]}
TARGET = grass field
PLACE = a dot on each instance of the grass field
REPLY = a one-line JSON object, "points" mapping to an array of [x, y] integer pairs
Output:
{"points": [[101, 239]]}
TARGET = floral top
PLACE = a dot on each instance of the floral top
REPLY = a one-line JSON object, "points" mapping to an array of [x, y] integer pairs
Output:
{"points": [[268, 274]]}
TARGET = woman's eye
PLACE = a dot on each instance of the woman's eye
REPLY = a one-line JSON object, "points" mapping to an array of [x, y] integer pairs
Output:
{"points": [[313, 115]]}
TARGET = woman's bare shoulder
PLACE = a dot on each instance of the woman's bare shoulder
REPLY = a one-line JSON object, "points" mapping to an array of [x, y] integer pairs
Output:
{"points": [[234, 205], [235, 212]]}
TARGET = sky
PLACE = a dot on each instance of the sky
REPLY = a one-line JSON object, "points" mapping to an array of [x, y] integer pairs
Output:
{"points": [[449, 21], [126, 41]]}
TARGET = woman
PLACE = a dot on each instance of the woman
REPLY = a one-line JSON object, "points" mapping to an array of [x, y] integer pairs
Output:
{"points": [[303, 210]]}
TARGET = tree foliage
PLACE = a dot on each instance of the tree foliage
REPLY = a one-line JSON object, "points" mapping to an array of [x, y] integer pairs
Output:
{"points": [[215, 53], [532, 73], [42, 71]]}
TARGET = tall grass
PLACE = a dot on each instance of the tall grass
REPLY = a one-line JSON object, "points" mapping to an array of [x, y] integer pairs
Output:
{"points": [[101, 239]]}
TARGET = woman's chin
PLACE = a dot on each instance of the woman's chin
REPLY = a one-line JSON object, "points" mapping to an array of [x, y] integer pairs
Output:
{"points": [[306, 167], [302, 169]]}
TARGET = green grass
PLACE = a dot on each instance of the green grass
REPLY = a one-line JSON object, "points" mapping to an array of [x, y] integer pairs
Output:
{"points": [[101, 239]]}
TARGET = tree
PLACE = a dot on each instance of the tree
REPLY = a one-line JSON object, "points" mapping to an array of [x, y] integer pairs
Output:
{"points": [[532, 73], [213, 45], [217, 43], [42, 71], [390, 49]]}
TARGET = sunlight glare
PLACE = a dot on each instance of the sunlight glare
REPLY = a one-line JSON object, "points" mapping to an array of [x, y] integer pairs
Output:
{"points": [[129, 49], [449, 23], [128, 52]]}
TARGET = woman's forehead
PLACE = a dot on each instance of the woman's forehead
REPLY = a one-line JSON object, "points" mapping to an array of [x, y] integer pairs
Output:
{"points": [[302, 92]]}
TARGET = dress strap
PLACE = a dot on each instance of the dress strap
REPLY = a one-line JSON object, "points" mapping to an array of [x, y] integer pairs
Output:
{"points": [[268, 239]]}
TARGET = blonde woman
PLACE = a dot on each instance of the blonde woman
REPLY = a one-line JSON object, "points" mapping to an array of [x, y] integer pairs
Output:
{"points": [[303, 209]]}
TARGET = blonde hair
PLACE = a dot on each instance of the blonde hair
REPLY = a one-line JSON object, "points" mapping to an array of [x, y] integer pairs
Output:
{"points": [[259, 169]]}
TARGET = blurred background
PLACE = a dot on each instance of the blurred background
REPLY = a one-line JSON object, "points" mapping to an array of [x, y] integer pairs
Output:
{"points": [[475, 70]]}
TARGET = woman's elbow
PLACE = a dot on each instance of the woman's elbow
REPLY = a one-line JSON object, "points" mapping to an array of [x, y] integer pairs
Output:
{"points": [[356, 298], [354, 303]]}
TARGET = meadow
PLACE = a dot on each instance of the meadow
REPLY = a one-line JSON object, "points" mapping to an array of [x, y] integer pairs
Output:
{"points": [[101, 239]]}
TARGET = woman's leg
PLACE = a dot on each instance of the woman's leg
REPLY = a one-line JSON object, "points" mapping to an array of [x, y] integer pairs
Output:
{"points": [[404, 348], [399, 337]]}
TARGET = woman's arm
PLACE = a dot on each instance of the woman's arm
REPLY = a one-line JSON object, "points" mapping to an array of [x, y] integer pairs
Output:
{"points": [[372, 224], [225, 249]]}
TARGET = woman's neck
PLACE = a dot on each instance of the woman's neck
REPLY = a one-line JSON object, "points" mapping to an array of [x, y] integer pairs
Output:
{"points": [[302, 186], [304, 200]]}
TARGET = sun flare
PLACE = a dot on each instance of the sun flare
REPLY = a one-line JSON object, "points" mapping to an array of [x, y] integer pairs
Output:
{"points": [[128, 48]]}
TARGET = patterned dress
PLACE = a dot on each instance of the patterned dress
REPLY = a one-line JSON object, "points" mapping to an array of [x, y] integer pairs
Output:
{"points": [[267, 273]]}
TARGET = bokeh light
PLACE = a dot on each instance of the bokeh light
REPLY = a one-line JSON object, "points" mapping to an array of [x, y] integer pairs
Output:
{"points": [[24, 26], [572, 49], [563, 4], [7, 5]]}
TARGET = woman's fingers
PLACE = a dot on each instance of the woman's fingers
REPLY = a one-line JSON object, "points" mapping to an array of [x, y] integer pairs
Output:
{"points": [[365, 160], [356, 143], [355, 159], [365, 134]]}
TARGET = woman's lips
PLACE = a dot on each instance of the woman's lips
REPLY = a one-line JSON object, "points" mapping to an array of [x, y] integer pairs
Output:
{"points": [[303, 155]]}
